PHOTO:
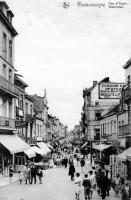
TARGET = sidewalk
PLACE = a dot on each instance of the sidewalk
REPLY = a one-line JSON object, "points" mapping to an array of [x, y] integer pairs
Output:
{"points": [[5, 180]]}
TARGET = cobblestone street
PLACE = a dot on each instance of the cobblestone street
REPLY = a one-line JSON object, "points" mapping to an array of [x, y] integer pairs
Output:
{"points": [[56, 186]]}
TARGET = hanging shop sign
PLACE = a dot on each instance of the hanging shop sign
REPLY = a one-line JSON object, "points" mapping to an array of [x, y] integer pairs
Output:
{"points": [[110, 90]]}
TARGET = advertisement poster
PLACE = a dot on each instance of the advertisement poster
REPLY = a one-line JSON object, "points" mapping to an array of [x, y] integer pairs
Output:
{"points": [[52, 55]]}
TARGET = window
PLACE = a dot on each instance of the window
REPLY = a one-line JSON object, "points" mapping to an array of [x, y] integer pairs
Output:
{"points": [[10, 50], [10, 75], [114, 126], [4, 46], [128, 79], [96, 103], [97, 114], [26, 108], [4, 108], [30, 109], [119, 123], [38, 129], [10, 109], [4, 71], [103, 130], [21, 101]]}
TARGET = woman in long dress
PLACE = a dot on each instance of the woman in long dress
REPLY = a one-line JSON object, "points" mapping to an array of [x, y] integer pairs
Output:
{"points": [[78, 182]]}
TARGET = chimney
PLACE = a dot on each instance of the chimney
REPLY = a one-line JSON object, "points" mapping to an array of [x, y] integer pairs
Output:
{"points": [[94, 83]]}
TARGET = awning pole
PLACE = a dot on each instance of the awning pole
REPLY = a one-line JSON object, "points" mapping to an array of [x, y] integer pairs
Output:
{"points": [[13, 160]]}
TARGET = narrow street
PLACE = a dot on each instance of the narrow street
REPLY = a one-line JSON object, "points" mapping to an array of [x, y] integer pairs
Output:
{"points": [[56, 186]]}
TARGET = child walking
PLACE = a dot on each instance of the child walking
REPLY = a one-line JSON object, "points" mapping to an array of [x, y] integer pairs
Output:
{"points": [[20, 176]]}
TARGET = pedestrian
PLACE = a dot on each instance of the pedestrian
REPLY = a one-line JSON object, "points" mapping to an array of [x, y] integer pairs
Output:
{"points": [[65, 162], [78, 182], [51, 163], [93, 181], [26, 173], [124, 190], [11, 171], [87, 187], [40, 175], [108, 183], [71, 171], [117, 185], [82, 164], [33, 172], [20, 176], [103, 185]]}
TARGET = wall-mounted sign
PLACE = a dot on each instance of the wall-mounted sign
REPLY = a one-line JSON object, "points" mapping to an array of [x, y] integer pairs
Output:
{"points": [[110, 90], [4, 123], [20, 124]]}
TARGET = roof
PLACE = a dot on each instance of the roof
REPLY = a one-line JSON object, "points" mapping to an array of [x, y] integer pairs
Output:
{"points": [[38, 103], [4, 4], [88, 90], [127, 64], [8, 25], [18, 80], [29, 97], [112, 110]]}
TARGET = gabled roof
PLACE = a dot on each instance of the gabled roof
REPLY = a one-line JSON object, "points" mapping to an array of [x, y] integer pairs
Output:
{"points": [[106, 79]]}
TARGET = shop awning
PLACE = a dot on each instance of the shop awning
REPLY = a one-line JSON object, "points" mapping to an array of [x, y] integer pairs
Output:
{"points": [[49, 146], [101, 147], [30, 153], [38, 150], [13, 143], [43, 146], [125, 153]]}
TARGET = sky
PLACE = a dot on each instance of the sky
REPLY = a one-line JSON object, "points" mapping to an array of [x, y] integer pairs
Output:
{"points": [[65, 50]]}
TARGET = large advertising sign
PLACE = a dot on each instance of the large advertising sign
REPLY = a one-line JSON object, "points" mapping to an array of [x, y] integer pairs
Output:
{"points": [[110, 90]]}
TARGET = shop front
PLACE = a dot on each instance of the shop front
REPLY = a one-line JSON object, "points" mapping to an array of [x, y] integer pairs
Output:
{"points": [[11, 147]]}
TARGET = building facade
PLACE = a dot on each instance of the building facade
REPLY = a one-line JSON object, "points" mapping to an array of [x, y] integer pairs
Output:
{"points": [[97, 100], [10, 144]]}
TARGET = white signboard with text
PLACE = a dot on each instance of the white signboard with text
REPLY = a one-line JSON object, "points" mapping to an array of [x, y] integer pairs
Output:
{"points": [[110, 90]]}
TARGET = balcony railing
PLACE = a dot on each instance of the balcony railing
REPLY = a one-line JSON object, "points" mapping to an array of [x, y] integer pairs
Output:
{"points": [[8, 86], [125, 130], [7, 122]]}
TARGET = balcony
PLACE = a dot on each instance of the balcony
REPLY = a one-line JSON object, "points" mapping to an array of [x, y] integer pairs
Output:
{"points": [[7, 123], [125, 130], [126, 94], [8, 87]]}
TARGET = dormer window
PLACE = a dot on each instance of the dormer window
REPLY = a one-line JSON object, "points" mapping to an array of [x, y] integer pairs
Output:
{"points": [[10, 15]]}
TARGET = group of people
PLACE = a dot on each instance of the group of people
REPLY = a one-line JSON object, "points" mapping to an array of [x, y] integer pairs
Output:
{"points": [[96, 179], [29, 174]]}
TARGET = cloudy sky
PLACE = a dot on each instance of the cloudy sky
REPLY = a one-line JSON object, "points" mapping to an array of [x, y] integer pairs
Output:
{"points": [[64, 50]]}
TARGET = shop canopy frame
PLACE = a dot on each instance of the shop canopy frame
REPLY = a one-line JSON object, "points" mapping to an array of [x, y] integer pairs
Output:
{"points": [[30, 153], [124, 154], [43, 146], [38, 150], [13, 143], [101, 147]]}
